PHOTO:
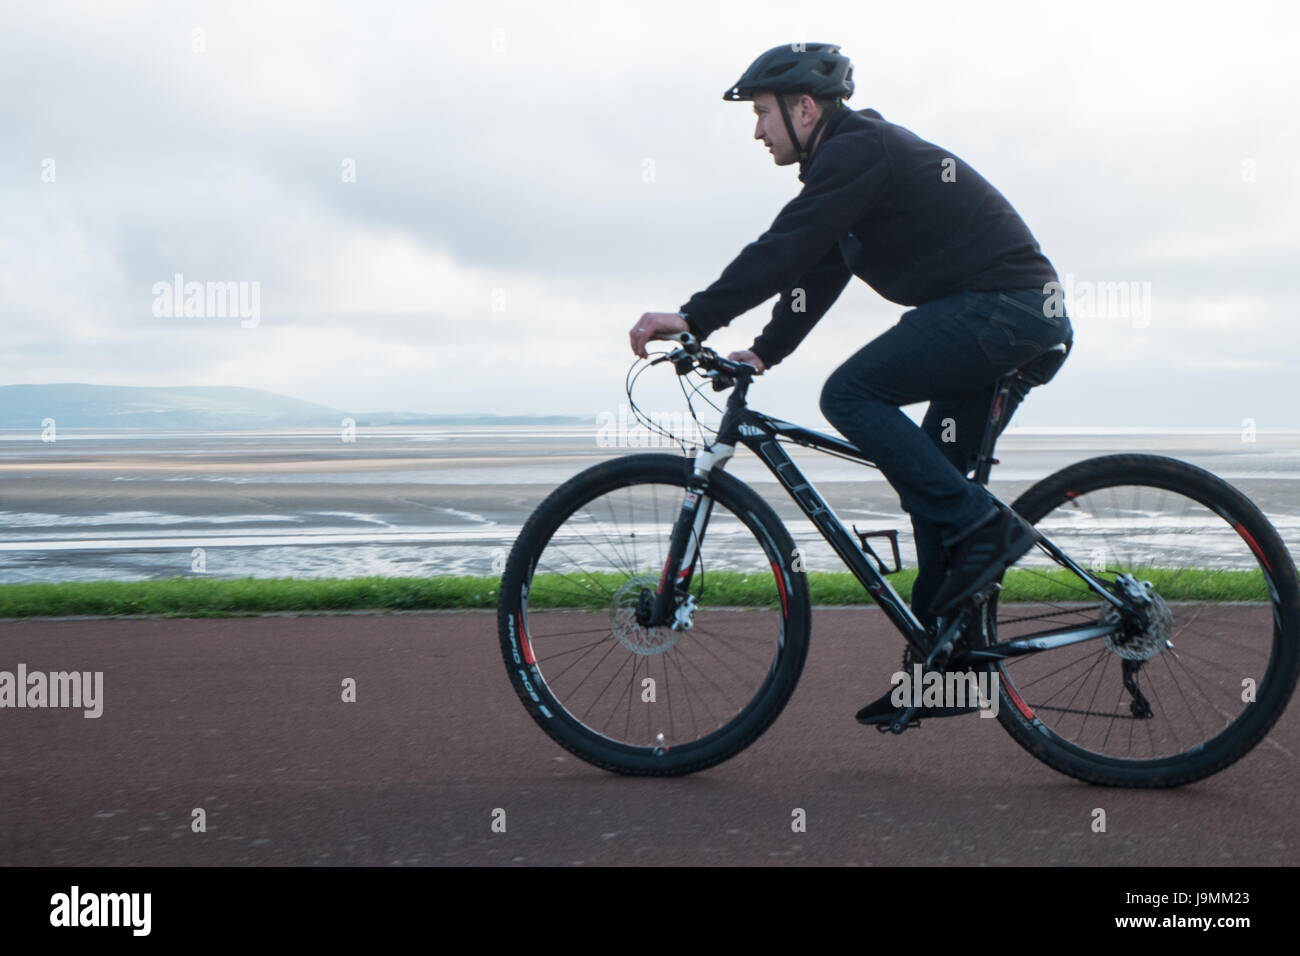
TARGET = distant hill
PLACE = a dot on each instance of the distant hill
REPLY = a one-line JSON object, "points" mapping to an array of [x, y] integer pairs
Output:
{"points": [[74, 405]]}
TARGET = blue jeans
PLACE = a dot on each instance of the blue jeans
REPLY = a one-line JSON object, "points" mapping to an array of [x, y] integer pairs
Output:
{"points": [[949, 352]]}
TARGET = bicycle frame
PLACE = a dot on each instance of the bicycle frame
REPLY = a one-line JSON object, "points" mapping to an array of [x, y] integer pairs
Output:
{"points": [[760, 433]]}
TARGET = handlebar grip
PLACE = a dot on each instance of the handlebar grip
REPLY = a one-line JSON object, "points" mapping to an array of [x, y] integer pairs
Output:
{"points": [[687, 341]]}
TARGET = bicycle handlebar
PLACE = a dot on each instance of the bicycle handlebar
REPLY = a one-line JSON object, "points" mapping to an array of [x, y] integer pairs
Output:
{"points": [[692, 354]]}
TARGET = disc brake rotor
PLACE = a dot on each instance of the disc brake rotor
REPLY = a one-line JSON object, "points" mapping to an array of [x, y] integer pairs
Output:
{"points": [[1139, 644], [623, 619]]}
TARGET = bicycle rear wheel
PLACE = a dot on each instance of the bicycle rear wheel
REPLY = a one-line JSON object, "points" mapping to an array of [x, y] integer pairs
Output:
{"points": [[636, 699], [1209, 674]]}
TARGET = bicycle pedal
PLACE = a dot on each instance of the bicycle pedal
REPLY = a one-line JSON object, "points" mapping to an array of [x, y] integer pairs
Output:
{"points": [[906, 718], [887, 728], [883, 721]]}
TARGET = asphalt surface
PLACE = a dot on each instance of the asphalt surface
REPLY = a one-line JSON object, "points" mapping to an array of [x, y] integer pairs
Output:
{"points": [[244, 719]]}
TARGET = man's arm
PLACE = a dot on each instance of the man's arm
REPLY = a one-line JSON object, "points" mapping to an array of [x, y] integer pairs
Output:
{"points": [[842, 186], [812, 296]]}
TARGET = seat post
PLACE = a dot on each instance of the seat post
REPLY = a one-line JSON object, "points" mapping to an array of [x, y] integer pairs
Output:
{"points": [[1009, 391], [993, 425]]}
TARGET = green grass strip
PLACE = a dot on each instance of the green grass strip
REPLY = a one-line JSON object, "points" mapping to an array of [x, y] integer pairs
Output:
{"points": [[224, 597]]}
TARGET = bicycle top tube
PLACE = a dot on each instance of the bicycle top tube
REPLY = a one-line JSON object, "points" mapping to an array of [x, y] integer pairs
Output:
{"points": [[738, 376]]}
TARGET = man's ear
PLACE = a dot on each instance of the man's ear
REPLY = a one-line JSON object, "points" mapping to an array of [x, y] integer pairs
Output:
{"points": [[807, 104]]}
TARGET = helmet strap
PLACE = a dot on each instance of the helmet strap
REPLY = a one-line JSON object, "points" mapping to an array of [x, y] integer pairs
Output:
{"points": [[789, 128]]}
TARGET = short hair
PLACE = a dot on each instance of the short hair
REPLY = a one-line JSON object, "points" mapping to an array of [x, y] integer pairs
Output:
{"points": [[825, 104]]}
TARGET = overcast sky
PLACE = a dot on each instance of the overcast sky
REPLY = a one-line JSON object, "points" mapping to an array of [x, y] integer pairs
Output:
{"points": [[463, 207]]}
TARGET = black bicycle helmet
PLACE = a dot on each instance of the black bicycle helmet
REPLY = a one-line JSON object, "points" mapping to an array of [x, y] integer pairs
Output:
{"points": [[818, 69]]}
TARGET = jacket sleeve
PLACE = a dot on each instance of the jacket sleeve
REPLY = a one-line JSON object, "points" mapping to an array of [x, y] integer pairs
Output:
{"points": [[842, 183], [801, 306]]}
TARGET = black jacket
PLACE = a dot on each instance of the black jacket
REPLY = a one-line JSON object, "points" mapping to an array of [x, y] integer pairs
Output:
{"points": [[908, 218]]}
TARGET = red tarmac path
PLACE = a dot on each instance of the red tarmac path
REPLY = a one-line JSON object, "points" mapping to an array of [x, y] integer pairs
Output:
{"points": [[243, 718]]}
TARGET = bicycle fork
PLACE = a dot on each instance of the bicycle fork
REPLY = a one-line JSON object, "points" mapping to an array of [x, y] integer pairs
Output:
{"points": [[672, 603]]}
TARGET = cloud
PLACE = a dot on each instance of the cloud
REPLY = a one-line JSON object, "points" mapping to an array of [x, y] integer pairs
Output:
{"points": [[578, 166]]}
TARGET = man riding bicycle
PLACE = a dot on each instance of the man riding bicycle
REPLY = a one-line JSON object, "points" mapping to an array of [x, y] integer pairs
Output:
{"points": [[925, 230]]}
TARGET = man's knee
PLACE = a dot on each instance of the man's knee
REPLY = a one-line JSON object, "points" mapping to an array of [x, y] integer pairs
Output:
{"points": [[842, 398], [831, 401]]}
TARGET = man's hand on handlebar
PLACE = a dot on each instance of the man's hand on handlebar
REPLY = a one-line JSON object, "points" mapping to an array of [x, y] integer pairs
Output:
{"points": [[749, 358], [692, 355], [655, 325]]}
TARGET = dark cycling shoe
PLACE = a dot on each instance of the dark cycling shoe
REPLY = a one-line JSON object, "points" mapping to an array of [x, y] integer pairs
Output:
{"points": [[976, 560], [882, 710]]}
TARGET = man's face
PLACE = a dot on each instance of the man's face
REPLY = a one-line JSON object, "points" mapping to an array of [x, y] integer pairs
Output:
{"points": [[770, 128]]}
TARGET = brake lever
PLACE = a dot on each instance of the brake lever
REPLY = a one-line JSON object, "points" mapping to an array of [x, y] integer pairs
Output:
{"points": [[683, 362]]}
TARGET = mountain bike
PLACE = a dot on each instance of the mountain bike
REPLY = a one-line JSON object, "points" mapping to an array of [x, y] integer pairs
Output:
{"points": [[654, 612]]}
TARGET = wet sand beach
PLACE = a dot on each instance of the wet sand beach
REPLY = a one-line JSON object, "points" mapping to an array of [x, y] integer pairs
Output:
{"points": [[129, 506]]}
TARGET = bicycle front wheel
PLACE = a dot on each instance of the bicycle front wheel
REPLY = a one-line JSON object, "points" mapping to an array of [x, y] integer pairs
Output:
{"points": [[663, 700], [1213, 667]]}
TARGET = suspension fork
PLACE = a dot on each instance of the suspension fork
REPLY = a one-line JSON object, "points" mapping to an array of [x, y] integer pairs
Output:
{"points": [[688, 533]]}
